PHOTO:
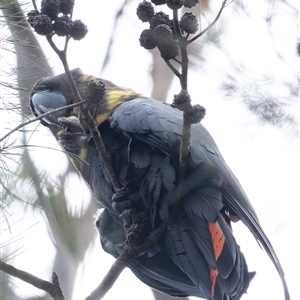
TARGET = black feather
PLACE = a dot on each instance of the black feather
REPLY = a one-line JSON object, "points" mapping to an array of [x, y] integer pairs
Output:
{"points": [[142, 139]]}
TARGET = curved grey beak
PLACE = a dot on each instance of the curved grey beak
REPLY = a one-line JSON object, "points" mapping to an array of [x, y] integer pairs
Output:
{"points": [[45, 101]]}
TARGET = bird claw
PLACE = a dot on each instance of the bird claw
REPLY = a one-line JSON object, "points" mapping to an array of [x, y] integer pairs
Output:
{"points": [[125, 207], [129, 212], [120, 201], [72, 124], [122, 206], [72, 135], [121, 194]]}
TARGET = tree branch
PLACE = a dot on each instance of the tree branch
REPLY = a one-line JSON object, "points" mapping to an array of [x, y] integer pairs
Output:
{"points": [[173, 69], [53, 289], [129, 252], [87, 116]]}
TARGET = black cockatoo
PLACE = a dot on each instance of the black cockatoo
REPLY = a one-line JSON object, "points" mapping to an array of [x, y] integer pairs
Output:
{"points": [[198, 255]]}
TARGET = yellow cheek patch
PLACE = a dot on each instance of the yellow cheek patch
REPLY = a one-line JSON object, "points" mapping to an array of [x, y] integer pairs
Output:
{"points": [[112, 99], [101, 118], [115, 97]]}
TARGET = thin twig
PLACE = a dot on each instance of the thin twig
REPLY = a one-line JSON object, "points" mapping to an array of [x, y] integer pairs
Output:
{"points": [[174, 70], [176, 23], [177, 60], [184, 148], [42, 116], [34, 4], [210, 25], [112, 36], [184, 65], [66, 43], [53, 289], [186, 127]]}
